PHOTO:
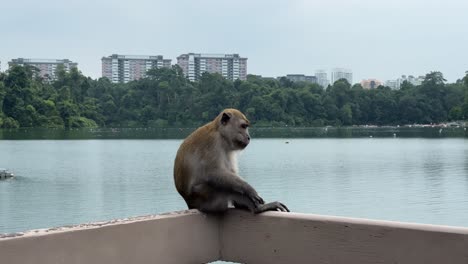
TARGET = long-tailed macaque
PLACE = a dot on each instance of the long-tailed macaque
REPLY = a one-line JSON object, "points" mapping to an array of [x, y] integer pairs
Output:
{"points": [[205, 169]]}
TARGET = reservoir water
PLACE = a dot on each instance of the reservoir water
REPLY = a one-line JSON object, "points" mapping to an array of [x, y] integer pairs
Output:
{"points": [[68, 181]]}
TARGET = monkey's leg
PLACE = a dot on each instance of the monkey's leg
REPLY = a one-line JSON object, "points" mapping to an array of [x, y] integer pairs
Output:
{"points": [[217, 204], [231, 183], [273, 206], [208, 200]]}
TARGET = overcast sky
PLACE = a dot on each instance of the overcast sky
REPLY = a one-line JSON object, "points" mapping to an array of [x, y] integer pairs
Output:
{"points": [[380, 39]]}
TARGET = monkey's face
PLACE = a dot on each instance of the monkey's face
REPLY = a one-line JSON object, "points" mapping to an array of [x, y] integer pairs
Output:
{"points": [[236, 131], [243, 136]]}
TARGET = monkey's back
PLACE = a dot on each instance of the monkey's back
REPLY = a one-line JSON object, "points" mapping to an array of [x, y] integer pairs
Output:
{"points": [[193, 154]]}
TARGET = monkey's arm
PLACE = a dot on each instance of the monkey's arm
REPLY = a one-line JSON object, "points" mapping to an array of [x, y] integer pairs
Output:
{"points": [[229, 182], [233, 183]]}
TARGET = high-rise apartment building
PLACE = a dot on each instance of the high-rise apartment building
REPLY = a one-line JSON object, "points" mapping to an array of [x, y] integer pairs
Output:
{"points": [[47, 67], [230, 66], [341, 73], [125, 68], [322, 79]]}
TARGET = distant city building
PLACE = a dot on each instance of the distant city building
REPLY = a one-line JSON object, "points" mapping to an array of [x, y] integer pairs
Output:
{"points": [[230, 66], [370, 83], [393, 84], [47, 67], [341, 73], [322, 78], [301, 78], [411, 79], [396, 84], [266, 78], [126, 68]]}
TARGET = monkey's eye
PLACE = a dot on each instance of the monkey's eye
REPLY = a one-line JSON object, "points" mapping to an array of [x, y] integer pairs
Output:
{"points": [[244, 126]]}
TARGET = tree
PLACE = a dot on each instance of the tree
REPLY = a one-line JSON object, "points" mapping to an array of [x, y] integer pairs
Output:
{"points": [[165, 97], [346, 115], [2, 96], [339, 91], [465, 104], [406, 86], [456, 113], [434, 79]]}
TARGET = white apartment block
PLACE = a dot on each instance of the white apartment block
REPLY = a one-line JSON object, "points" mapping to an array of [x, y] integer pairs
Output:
{"points": [[47, 67], [396, 84], [393, 84], [230, 66], [322, 78], [126, 68], [341, 73], [411, 79]]}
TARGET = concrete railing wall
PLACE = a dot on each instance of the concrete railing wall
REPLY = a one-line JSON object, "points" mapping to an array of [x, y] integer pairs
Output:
{"points": [[303, 238], [182, 237], [272, 237]]}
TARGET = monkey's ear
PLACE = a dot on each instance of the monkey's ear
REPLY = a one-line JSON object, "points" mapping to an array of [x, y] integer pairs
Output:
{"points": [[225, 118]]}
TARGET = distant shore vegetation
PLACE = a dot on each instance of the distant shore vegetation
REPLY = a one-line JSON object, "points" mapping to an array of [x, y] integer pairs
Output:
{"points": [[167, 99]]}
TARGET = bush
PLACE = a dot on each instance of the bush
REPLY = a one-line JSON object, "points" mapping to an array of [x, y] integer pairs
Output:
{"points": [[79, 121], [10, 123]]}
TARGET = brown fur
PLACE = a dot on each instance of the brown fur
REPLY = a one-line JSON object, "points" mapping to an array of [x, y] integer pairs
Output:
{"points": [[205, 168]]}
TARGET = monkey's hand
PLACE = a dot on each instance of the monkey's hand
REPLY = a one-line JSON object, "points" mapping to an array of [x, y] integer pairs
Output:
{"points": [[253, 196], [258, 200], [273, 206]]}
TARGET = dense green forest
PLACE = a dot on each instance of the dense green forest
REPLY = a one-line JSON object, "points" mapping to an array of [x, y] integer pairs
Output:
{"points": [[167, 98]]}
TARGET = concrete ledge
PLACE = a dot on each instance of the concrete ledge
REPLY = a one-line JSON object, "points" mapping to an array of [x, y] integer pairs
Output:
{"points": [[275, 237], [272, 237], [181, 237]]}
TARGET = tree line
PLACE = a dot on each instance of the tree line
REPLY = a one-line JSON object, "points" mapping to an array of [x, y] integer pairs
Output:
{"points": [[166, 98]]}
